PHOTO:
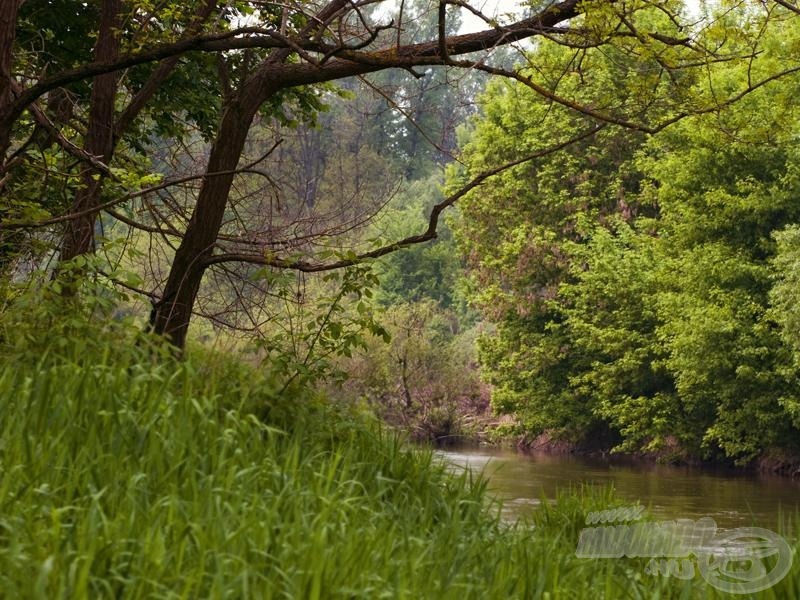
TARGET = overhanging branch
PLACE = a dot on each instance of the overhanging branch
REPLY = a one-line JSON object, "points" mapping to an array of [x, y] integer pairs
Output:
{"points": [[350, 61], [429, 234]]}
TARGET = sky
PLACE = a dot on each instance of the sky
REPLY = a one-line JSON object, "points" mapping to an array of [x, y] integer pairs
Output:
{"points": [[490, 8]]}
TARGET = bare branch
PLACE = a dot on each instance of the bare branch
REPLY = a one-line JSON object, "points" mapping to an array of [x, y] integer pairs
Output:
{"points": [[429, 234], [136, 194]]}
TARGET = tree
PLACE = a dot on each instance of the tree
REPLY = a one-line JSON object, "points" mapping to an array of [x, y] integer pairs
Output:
{"points": [[273, 58], [84, 120], [633, 296]]}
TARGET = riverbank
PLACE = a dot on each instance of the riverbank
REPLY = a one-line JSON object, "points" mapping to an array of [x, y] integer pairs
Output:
{"points": [[779, 463], [128, 474]]}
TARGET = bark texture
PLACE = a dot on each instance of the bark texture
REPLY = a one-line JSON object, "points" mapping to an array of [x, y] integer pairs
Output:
{"points": [[8, 31], [79, 234], [172, 314]]}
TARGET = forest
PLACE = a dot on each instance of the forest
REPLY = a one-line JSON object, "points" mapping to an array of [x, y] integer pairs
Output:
{"points": [[259, 259]]}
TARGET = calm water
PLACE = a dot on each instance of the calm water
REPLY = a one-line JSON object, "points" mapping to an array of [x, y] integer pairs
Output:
{"points": [[731, 498]]}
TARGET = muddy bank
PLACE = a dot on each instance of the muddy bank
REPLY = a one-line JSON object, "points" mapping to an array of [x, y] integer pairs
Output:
{"points": [[774, 462], [779, 463]]}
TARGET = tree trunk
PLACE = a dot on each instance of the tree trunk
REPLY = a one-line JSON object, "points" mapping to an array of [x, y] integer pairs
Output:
{"points": [[79, 234], [8, 32], [103, 133], [172, 314]]}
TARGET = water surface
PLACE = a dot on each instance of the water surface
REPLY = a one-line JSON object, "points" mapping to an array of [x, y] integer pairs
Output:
{"points": [[732, 498]]}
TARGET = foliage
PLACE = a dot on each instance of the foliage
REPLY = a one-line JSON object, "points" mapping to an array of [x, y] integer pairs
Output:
{"points": [[629, 278], [515, 235], [430, 271], [783, 294], [425, 380], [313, 335]]}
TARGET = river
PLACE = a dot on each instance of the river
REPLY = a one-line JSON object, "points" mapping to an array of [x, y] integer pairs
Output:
{"points": [[732, 498]]}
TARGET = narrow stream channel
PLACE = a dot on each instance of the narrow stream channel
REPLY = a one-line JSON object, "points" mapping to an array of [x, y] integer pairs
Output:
{"points": [[731, 498]]}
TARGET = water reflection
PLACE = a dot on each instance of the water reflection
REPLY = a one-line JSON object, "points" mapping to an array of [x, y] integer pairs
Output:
{"points": [[731, 498]]}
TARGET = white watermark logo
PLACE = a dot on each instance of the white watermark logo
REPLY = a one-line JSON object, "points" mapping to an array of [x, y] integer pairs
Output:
{"points": [[731, 561]]}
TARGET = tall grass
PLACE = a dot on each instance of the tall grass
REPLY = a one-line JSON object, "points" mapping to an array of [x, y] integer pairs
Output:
{"points": [[124, 476]]}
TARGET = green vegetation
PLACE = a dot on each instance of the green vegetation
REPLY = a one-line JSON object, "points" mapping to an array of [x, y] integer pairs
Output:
{"points": [[248, 250], [127, 474], [623, 203], [639, 296]]}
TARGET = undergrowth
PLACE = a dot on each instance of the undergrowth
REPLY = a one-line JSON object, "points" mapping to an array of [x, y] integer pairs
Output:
{"points": [[128, 473]]}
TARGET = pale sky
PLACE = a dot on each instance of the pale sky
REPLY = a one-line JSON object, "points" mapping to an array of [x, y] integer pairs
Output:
{"points": [[490, 8]]}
